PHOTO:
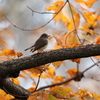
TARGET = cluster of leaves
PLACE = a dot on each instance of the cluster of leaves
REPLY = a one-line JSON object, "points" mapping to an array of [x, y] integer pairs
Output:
{"points": [[71, 19]]}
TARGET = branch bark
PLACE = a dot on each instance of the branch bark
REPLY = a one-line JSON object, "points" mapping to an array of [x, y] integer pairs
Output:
{"points": [[11, 68], [17, 91], [16, 65]]}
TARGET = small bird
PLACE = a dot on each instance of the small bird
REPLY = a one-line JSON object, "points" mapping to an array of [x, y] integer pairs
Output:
{"points": [[40, 44]]}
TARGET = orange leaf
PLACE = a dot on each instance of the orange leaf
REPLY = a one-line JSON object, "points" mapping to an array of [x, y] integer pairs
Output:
{"points": [[15, 80], [89, 3], [76, 60], [19, 54], [2, 97], [35, 72], [22, 76], [4, 42], [72, 72], [97, 40], [59, 42], [10, 52], [7, 52], [31, 89]]}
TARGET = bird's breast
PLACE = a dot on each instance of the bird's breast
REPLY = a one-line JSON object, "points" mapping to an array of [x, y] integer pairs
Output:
{"points": [[41, 49]]}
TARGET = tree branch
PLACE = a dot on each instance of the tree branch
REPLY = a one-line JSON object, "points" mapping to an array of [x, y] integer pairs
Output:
{"points": [[38, 59], [13, 89], [11, 68]]}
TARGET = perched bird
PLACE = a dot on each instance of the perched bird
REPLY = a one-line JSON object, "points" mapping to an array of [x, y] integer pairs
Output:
{"points": [[40, 44]]}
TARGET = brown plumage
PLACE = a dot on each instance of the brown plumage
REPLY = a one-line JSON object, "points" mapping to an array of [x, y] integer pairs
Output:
{"points": [[40, 44]]}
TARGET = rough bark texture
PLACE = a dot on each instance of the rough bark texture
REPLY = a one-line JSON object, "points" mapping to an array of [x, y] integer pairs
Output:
{"points": [[13, 67], [17, 91], [38, 59]]}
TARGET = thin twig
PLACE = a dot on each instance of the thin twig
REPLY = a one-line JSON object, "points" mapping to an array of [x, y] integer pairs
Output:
{"points": [[57, 84], [38, 81], [68, 35], [42, 25], [77, 67], [40, 12], [94, 62], [73, 78], [73, 20], [91, 67], [39, 77]]}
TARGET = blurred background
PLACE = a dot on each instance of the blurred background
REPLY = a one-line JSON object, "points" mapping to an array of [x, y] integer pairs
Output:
{"points": [[18, 14]]}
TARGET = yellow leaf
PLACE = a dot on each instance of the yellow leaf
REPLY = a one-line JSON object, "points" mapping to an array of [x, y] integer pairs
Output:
{"points": [[50, 71], [58, 79], [70, 26], [79, 0], [72, 39], [90, 17], [89, 3], [67, 12], [5, 96], [86, 37], [85, 93], [61, 92], [57, 64], [88, 31], [56, 7], [96, 96]]}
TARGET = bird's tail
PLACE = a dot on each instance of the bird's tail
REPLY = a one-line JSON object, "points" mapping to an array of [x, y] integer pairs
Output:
{"points": [[26, 49], [29, 48]]}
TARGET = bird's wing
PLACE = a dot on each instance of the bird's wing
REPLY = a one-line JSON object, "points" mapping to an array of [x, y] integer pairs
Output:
{"points": [[40, 43]]}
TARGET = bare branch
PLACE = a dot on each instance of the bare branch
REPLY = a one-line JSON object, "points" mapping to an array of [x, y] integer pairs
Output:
{"points": [[42, 25], [40, 12]]}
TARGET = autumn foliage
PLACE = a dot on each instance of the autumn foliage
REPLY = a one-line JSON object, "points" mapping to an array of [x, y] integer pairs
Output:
{"points": [[77, 34]]}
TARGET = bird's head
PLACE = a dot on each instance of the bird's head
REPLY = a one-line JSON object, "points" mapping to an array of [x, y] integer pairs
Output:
{"points": [[44, 35]]}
